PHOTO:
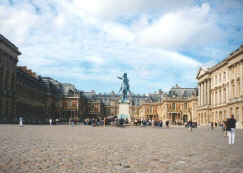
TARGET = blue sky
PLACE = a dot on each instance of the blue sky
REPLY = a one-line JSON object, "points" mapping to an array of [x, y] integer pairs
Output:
{"points": [[159, 43]]}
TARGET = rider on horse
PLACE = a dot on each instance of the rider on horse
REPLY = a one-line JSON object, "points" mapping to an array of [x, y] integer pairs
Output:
{"points": [[125, 86]]}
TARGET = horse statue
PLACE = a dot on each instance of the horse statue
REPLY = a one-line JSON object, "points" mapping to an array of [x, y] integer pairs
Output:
{"points": [[124, 86]]}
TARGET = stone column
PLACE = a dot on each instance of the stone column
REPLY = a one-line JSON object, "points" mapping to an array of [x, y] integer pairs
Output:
{"points": [[241, 116], [236, 82], [199, 93], [202, 92], [4, 70], [205, 93], [208, 92]]}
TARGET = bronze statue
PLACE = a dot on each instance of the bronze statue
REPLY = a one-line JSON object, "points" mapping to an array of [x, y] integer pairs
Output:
{"points": [[124, 86]]}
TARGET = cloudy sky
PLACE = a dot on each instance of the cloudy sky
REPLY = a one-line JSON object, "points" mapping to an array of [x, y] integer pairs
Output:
{"points": [[159, 43]]}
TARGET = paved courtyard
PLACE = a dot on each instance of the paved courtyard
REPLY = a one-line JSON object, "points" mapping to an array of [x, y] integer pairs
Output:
{"points": [[63, 148]]}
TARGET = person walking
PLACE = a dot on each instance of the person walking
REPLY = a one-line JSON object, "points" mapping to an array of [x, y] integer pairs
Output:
{"points": [[20, 122], [212, 125], [190, 126], [231, 127], [50, 121], [209, 125]]}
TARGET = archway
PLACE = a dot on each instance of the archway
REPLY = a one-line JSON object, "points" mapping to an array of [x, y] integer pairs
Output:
{"points": [[185, 118], [220, 116]]}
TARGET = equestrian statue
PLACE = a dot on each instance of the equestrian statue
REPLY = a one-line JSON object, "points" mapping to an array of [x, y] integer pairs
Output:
{"points": [[124, 86]]}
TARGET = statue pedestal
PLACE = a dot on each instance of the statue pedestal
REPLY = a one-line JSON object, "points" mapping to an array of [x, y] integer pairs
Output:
{"points": [[124, 110]]}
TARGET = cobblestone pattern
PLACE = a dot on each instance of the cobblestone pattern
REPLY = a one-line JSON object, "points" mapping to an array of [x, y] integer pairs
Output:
{"points": [[63, 148]]}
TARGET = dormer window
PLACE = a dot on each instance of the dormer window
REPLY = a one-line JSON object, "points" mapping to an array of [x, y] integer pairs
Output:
{"points": [[70, 92]]}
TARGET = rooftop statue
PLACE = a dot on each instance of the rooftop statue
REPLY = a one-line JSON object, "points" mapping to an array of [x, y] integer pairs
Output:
{"points": [[124, 86]]}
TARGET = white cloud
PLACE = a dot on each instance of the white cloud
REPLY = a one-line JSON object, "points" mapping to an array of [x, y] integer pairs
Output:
{"points": [[98, 40], [183, 29]]}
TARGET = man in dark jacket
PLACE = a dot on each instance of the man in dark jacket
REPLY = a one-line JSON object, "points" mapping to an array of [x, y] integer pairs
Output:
{"points": [[231, 132]]}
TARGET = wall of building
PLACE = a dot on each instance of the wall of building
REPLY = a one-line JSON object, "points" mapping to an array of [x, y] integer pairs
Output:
{"points": [[221, 90]]}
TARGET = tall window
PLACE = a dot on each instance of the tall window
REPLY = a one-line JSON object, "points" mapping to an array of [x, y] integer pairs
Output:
{"points": [[92, 107], [224, 94], [216, 78], [133, 102], [216, 101], [220, 96], [69, 103], [185, 105], [224, 76], [212, 101], [151, 109], [219, 78], [173, 106]]}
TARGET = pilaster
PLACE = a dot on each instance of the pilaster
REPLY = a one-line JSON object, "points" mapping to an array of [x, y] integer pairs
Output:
{"points": [[230, 85], [241, 78]]}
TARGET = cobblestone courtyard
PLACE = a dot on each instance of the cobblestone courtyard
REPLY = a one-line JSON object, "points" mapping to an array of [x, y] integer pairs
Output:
{"points": [[62, 148]]}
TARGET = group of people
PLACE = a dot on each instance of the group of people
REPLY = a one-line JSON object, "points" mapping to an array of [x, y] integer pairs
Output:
{"points": [[53, 121], [228, 128]]}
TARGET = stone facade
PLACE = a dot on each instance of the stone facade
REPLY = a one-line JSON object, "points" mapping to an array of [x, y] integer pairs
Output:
{"points": [[221, 90], [30, 96], [63, 100], [8, 61], [179, 105]]}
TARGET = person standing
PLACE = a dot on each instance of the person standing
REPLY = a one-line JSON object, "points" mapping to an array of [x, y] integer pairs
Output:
{"points": [[190, 126], [231, 127], [20, 122], [50, 121], [212, 125]]}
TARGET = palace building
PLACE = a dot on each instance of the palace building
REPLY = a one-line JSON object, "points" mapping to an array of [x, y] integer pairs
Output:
{"points": [[8, 70], [221, 90], [179, 105], [30, 96], [37, 99]]}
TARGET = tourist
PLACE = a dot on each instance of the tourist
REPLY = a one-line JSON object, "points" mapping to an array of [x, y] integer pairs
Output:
{"points": [[75, 121], [209, 125], [231, 128], [190, 125], [20, 122], [50, 121], [56, 121], [98, 122], [72, 123], [212, 125], [126, 122], [121, 122]]}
